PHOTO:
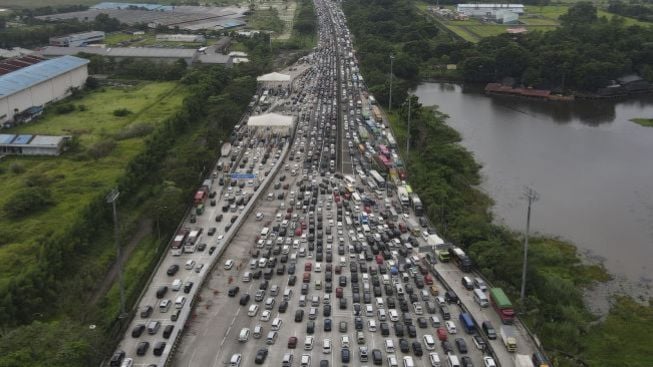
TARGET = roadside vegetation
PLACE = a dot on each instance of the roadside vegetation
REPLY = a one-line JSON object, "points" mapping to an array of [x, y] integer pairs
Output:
{"points": [[152, 140], [643, 122], [446, 177]]}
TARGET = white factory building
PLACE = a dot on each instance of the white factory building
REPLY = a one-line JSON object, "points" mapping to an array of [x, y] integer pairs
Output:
{"points": [[273, 122], [488, 10], [39, 84], [78, 39], [198, 38]]}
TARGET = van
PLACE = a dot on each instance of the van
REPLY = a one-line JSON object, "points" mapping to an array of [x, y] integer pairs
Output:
{"points": [[164, 305], [175, 315], [435, 321], [429, 341], [276, 324], [243, 337], [153, 327], [452, 359], [287, 294], [176, 285], [235, 360], [247, 277], [369, 311], [381, 314], [434, 357], [272, 338], [253, 264], [179, 303], [360, 337], [480, 298], [468, 283], [287, 360]]}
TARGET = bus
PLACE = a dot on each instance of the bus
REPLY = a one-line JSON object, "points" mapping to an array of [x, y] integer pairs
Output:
{"points": [[417, 205], [467, 322], [178, 242], [193, 238], [372, 184], [380, 181]]}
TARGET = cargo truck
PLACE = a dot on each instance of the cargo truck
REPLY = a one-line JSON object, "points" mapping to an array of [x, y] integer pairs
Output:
{"points": [[508, 333], [522, 360], [403, 195], [461, 259], [443, 255], [502, 305]]}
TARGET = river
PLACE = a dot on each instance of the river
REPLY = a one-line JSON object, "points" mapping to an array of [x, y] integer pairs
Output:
{"points": [[592, 168]]}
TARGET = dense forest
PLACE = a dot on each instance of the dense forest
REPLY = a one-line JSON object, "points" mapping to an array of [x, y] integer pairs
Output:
{"points": [[634, 9]]}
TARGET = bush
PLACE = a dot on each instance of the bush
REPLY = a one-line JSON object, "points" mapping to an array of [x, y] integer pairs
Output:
{"points": [[64, 108], [134, 130], [101, 148], [26, 201], [121, 112], [82, 107], [17, 168]]}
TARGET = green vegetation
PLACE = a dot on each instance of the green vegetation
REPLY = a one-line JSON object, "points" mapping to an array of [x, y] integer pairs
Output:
{"points": [[643, 122], [641, 11], [147, 39], [304, 32], [266, 19]]}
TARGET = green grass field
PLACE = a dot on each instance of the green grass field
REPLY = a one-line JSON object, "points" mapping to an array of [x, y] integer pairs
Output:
{"points": [[72, 179], [148, 39], [643, 122]]}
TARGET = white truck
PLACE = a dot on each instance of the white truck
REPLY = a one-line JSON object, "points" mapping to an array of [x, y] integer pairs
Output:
{"points": [[434, 240], [508, 333], [403, 195], [523, 360]]}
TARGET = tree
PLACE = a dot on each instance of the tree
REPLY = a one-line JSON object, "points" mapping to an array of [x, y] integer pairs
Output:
{"points": [[26, 201], [478, 69], [578, 14]]}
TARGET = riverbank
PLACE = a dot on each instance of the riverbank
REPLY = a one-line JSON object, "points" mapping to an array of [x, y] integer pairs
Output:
{"points": [[643, 122], [448, 184]]}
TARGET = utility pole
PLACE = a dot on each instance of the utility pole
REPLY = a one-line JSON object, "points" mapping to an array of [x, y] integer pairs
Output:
{"points": [[408, 131], [112, 197], [532, 196], [392, 58]]}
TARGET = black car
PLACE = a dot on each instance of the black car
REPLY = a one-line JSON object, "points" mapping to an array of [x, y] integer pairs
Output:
{"points": [[466, 361], [385, 330], [412, 332], [211, 250], [116, 358], [261, 355], [450, 297], [461, 345], [201, 247], [446, 346], [218, 218], [404, 346], [310, 327], [142, 348], [187, 287], [299, 315], [345, 355], [138, 330], [292, 280], [173, 269], [167, 331], [158, 348], [327, 324], [233, 291], [422, 323], [399, 330], [283, 307], [417, 349], [161, 291], [326, 311], [244, 299], [358, 323]]}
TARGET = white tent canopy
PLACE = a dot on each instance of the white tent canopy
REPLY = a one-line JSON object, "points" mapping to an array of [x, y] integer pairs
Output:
{"points": [[270, 120], [273, 77]]}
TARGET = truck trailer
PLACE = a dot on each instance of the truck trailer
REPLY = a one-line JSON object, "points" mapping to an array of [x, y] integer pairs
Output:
{"points": [[502, 305], [508, 333], [522, 360]]}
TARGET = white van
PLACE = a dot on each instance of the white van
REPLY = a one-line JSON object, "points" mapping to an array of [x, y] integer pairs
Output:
{"points": [[276, 324], [326, 346], [164, 305], [480, 298], [452, 359], [429, 341], [264, 232], [272, 338], [381, 314], [235, 360], [247, 276], [287, 294], [435, 359], [180, 302], [287, 360], [369, 311]]}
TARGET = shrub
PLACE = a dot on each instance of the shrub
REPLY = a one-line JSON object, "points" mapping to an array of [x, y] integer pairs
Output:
{"points": [[134, 130], [121, 112], [82, 107], [26, 201], [17, 168], [101, 148], [64, 108]]}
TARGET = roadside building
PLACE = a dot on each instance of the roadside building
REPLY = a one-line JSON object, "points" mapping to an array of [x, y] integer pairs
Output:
{"points": [[16, 63], [12, 144], [170, 55], [506, 17], [272, 122], [78, 39], [488, 10], [39, 84]]}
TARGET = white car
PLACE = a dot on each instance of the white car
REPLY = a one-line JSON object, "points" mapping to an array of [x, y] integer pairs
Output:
{"points": [[392, 361], [253, 310], [489, 362], [451, 327], [308, 343], [434, 358], [344, 341], [228, 264], [259, 216], [265, 316], [371, 325], [326, 346]]}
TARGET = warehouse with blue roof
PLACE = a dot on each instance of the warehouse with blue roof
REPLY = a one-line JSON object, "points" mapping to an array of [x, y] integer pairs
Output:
{"points": [[39, 84]]}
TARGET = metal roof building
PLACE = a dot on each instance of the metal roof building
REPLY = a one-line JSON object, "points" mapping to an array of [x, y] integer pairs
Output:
{"points": [[272, 121], [32, 144], [38, 84], [151, 53]]}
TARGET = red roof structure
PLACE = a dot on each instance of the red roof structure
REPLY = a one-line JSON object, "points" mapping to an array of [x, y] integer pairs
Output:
{"points": [[16, 63]]}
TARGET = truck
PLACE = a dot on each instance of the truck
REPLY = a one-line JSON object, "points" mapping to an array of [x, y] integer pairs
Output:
{"points": [[507, 333], [467, 322], [434, 240], [403, 195], [178, 242], [523, 360], [414, 227], [417, 205], [203, 191], [461, 259], [191, 242], [443, 255], [502, 305]]}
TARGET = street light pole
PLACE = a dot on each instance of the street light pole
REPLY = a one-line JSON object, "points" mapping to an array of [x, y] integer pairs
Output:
{"points": [[112, 197], [408, 132], [532, 196], [392, 58]]}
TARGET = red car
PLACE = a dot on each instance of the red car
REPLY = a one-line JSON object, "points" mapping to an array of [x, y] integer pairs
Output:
{"points": [[338, 292], [442, 334], [307, 277], [298, 231], [308, 266], [292, 342]]}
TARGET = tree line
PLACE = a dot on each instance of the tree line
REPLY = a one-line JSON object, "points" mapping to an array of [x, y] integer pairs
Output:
{"points": [[634, 9]]}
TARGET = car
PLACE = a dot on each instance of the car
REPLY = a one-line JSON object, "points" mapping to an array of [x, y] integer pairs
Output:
{"points": [[345, 355], [466, 361], [265, 316], [116, 358], [142, 348], [233, 291], [159, 347], [461, 345], [147, 311], [172, 270], [342, 326], [190, 264], [228, 264], [244, 299], [404, 346], [479, 342], [292, 342], [261, 355], [138, 330], [212, 250], [451, 327], [489, 362], [212, 231], [446, 346], [161, 292]]}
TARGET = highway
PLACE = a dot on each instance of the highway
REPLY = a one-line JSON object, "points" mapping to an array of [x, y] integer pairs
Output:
{"points": [[305, 212]]}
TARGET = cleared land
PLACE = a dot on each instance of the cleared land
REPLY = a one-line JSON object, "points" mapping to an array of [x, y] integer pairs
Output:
{"points": [[74, 179], [276, 16]]}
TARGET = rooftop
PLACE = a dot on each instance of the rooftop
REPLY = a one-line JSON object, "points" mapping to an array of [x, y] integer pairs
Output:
{"points": [[153, 52], [270, 120], [111, 5], [17, 63], [34, 74]]}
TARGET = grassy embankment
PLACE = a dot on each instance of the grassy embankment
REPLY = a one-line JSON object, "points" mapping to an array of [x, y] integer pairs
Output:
{"points": [[72, 180], [643, 122], [536, 18]]}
